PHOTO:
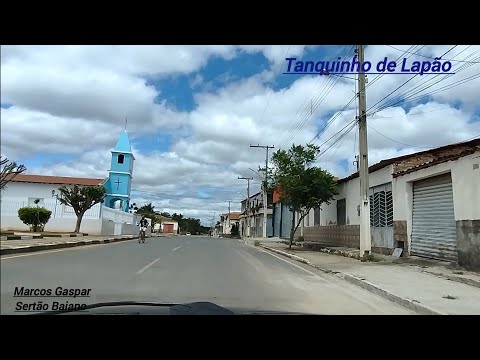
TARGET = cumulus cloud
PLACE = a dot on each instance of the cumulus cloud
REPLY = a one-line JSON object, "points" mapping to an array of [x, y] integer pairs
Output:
{"points": [[73, 100]]}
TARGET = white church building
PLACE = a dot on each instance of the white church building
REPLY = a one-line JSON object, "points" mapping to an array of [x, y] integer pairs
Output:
{"points": [[110, 218]]}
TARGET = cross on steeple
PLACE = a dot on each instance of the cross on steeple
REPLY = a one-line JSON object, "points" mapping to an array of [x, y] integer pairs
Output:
{"points": [[118, 182]]}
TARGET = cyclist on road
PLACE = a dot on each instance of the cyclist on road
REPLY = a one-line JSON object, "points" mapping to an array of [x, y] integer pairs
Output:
{"points": [[143, 228]]}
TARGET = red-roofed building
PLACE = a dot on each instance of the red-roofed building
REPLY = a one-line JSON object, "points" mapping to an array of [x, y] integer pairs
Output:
{"points": [[24, 189], [228, 220], [110, 218]]}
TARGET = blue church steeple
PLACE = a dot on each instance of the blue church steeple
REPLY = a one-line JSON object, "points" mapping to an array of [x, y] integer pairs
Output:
{"points": [[119, 183]]}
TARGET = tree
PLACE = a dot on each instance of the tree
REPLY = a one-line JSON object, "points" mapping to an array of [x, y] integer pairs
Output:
{"points": [[81, 199], [10, 169], [301, 186], [270, 178], [146, 209], [34, 216], [149, 211], [133, 208]]}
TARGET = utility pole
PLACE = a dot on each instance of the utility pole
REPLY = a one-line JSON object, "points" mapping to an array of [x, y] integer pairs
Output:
{"points": [[265, 195], [229, 228], [248, 202], [365, 239], [212, 229]]}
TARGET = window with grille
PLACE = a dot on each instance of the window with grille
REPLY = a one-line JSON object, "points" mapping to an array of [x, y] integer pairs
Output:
{"points": [[341, 212], [381, 209]]}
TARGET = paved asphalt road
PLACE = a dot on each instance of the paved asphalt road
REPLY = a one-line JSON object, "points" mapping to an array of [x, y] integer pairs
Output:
{"points": [[186, 269]]}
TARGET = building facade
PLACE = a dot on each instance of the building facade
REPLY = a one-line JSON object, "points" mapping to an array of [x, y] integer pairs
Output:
{"points": [[228, 220], [251, 221], [109, 218], [425, 203]]}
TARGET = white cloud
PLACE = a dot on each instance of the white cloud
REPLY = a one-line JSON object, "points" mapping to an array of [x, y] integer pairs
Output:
{"points": [[73, 100]]}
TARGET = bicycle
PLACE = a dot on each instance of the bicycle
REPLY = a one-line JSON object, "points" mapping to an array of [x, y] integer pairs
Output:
{"points": [[142, 235]]}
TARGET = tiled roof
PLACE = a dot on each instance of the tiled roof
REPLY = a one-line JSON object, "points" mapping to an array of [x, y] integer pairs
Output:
{"points": [[412, 162], [234, 215], [44, 179], [163, 218]]}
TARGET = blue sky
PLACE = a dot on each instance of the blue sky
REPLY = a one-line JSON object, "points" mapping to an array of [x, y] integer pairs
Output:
{"points": [[179, 90], [193, 111]]}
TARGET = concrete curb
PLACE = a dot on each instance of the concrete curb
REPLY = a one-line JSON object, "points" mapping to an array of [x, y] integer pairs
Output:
{"points": [[36, 248], [298, 258], [407, 303], [364, 284]]}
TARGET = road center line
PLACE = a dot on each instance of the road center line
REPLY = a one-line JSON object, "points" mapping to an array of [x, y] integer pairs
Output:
{"points": [[296, 265], [178, 247], [147, 266]]}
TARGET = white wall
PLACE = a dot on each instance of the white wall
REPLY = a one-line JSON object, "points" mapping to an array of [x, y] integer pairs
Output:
{"points": [[465, 183], [63, 218], [350, 190], [67, 225], [466, 187], [22, 190]]}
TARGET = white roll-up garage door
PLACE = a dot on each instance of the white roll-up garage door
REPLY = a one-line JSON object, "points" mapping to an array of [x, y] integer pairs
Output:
{"points": [[433, 224]]}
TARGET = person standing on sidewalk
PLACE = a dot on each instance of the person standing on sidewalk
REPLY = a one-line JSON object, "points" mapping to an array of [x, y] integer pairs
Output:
{"points": [[143, 228]]}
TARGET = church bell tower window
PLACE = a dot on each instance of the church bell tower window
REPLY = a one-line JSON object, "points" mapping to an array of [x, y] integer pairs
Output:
{"points": [[121, 157]]}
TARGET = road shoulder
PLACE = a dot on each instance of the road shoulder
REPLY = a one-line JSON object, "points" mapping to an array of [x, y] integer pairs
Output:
{"points": [[408, 286]]}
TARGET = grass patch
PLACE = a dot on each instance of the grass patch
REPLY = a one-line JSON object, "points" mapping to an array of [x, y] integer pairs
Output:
{"points": [[369, 258]]}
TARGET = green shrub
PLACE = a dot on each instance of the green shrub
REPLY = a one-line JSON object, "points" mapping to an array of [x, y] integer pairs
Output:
{"points": [[256, 243], [34, 216]]}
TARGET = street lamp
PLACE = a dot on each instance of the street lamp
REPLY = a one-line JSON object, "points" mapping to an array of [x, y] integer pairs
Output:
{"points": [[56, 200], [256, 173]]}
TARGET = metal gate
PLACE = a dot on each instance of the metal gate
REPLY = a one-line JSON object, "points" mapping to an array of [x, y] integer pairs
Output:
{"points": [[286, 222], [277, 215], [433, 223], [381, 216], [168, 228]]}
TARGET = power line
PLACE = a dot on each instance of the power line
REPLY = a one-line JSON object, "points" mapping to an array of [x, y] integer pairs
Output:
{"points": [[431, 78], [410, 94], [415, 146], [431, 57], [448, 51], [413, 77], [314, 104], [355, 96], [275, 77], [414, 91], [348, 125], [343, 139], [446, 87], [408, 115]]}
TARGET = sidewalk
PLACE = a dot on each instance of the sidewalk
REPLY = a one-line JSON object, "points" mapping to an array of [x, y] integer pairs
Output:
{"points": [[48, 243], [426, 290]]}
